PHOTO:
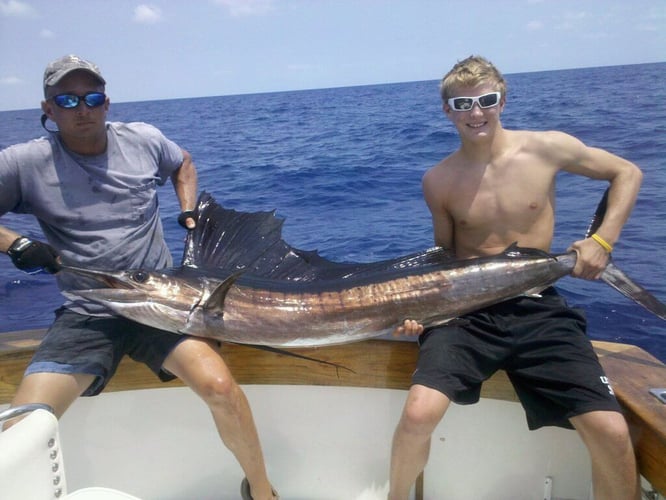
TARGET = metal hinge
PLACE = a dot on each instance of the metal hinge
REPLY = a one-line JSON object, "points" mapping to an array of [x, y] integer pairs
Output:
{"points": [[651, 495], [548, 488], [660, 394]]}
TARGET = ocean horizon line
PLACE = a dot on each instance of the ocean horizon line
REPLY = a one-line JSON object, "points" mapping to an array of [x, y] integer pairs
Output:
{"points": [[337, 87]]}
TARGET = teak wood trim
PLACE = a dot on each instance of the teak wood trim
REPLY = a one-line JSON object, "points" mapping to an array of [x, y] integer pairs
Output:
{"points": [[388, 364]]}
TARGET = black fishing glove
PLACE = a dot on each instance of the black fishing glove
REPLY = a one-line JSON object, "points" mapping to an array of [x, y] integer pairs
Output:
{"points": [[33, 256], [187, 214]]}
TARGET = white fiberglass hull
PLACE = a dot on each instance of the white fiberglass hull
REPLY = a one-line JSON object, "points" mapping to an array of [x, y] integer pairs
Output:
{"points": [[319, 442]]}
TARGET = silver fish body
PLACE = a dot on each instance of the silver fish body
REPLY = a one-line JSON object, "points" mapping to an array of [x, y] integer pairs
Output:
{"points": [[239, 281], [250, 309]]}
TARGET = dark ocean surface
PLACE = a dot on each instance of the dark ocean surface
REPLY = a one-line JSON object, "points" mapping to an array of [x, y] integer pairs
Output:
{"points": [[343, 166]]}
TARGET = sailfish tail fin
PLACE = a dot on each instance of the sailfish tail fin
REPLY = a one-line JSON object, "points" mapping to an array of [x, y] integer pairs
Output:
{"points": [[616, 278]]}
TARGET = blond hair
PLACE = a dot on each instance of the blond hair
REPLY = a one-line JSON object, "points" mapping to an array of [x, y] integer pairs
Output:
{"points": [[471, 72]]}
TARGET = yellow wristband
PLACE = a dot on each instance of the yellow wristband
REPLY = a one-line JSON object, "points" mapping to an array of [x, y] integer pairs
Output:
{"points": [[602, 242]]}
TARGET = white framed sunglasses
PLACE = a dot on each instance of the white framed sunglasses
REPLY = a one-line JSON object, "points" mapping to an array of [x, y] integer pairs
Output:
{"points": [[467, 103]]}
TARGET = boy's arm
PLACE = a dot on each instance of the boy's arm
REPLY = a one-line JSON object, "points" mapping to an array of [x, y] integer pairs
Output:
{"points": [[625, 180]]}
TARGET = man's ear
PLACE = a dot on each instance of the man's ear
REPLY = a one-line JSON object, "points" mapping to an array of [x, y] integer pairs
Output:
{"points": [[47, 109]]}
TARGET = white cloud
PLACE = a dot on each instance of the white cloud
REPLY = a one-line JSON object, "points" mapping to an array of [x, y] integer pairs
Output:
{"points": [[147, 14], [300, 67], [595, 35], [46, 33], [14, 8], [534, 25], [571, 21], [652, 20], [10, 80], [656, 14], [566, 26], [575, 16], [238, 8]]}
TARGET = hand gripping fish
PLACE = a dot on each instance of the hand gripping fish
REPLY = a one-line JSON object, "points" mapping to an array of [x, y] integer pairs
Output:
{"points": [[239, 281]]}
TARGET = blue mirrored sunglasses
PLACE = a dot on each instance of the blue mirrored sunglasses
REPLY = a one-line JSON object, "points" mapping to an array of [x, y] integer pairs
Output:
{"points": [[69, 101], [467, 103]]}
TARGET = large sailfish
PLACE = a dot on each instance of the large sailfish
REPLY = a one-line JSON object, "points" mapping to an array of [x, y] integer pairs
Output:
{"points": [[239, 281]]}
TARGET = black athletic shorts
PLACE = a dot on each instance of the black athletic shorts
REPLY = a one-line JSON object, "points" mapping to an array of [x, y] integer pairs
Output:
{"points": [[542, 345], [94, 345]]}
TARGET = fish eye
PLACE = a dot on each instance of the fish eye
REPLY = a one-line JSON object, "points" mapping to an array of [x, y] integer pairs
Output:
{"points": [[140, 276]]}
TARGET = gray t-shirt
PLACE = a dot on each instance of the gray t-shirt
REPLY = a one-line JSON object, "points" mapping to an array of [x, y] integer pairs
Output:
{"points": [[98, 212]]}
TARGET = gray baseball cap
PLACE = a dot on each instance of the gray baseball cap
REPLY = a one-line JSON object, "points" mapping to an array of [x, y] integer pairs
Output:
{"points": [[57, 70]]}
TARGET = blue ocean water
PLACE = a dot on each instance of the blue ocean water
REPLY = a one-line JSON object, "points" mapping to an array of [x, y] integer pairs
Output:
{"points": [[343, 166]]}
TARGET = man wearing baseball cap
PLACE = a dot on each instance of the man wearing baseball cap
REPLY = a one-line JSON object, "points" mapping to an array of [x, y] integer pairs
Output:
{"points": [[92, 185], [60, 68]]}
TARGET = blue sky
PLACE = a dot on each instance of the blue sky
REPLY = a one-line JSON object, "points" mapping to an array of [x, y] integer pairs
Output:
{"points": [[170, 48]]}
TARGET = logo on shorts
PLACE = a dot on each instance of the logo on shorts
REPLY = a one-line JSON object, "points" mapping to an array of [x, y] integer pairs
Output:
{"points": [[606, 382]]}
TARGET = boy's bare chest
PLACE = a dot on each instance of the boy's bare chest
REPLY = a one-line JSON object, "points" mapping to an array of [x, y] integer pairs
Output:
{"points": [[501, 195]]}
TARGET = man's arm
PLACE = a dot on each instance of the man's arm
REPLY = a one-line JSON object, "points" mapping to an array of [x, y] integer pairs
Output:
{"points": [[7, 237], [184, 181], [29, 255]]}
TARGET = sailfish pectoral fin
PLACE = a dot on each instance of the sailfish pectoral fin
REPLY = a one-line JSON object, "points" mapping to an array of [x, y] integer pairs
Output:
{"points": [[616, 278], [216, 299]]}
